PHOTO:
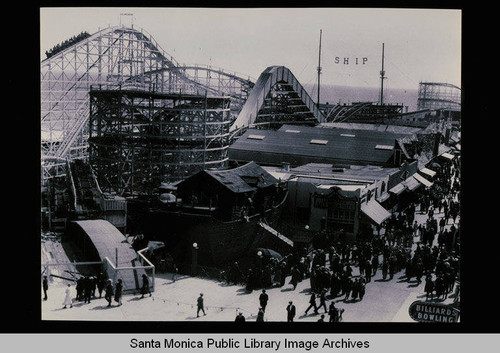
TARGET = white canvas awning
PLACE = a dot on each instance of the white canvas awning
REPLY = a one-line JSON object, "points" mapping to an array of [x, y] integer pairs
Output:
{"points": [[375, 211], [398, 189], [447, 155], [422, 180], [427, 171], [411, 183]]}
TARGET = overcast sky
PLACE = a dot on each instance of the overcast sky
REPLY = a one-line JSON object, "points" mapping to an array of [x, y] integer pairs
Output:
{"points": [[420, 44]]}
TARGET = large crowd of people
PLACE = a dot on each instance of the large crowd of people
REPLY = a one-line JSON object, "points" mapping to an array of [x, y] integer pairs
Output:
{"points": [[418, 251]]}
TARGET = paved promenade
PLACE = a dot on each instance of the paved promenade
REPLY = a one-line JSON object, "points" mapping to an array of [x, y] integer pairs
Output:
{"points": [[384, 301]]}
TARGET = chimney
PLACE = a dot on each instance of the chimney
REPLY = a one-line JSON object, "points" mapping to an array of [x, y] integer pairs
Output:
{"points": [[286, 166], [437, 139]]}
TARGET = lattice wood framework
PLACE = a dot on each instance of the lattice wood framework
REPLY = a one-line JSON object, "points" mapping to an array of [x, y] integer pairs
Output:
{"points": [[139, 139], [437, 95], [121, 56], [220, 81]]}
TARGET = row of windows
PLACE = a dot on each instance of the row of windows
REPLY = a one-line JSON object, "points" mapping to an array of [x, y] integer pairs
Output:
{"points": [[340, 215]]}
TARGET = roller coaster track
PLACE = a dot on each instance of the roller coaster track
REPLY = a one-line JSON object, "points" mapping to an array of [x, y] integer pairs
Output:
{"points": [[113, 57], [432, 95], [341, 113], [265, 89], [215, 81]]}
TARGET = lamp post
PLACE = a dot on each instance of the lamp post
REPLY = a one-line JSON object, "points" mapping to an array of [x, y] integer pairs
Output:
{"points": [[259, 259], [194, 262]]}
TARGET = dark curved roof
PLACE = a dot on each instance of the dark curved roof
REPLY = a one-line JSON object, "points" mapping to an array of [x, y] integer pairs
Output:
{"points": [[106, 239]]}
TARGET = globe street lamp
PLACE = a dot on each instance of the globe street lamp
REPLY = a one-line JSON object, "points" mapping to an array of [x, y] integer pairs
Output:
{"points": [[259, 259], [194, 262]]}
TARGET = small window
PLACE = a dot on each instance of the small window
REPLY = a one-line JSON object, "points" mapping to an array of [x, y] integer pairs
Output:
{"points": [[293, 131], [319, 142], [348, 135], [255, 137]]}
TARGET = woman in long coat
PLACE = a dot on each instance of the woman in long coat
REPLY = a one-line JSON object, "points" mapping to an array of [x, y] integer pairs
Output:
{"points": [[118, 292], [67, 298]]}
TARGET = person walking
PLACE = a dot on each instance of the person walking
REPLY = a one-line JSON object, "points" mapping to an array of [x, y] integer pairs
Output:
{"points": [[200, 306], [322, 300], [118, 291], [145, 286], [67, 297], [312, 304], [108, 295], [290, 309], [263, 299], [45, 286]]}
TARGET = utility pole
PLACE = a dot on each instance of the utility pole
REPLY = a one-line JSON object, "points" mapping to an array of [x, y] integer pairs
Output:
{"points": [[382, 78], [319, 64]]}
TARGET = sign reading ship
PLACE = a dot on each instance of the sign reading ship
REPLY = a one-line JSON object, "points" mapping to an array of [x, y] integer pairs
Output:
{"points": [[433, 312]]}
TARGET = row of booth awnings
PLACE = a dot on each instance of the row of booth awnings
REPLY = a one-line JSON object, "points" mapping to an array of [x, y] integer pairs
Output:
{"points": [[411, 183], [421, 177], [377, 213]]}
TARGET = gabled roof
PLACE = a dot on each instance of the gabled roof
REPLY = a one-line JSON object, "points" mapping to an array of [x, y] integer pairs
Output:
{"points": [[245, 178]]}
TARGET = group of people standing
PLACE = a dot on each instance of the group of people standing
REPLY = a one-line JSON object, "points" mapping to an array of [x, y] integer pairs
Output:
{"points": [[86, 287], [85, 290]]}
